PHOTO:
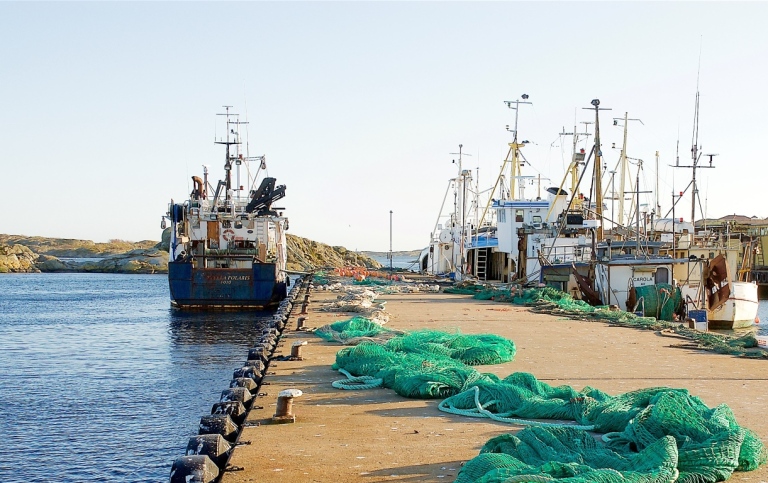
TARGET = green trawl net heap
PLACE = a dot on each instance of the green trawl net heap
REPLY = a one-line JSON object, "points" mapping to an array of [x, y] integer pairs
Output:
{"points": [[418, 364], [649, 435], [552, 301]]}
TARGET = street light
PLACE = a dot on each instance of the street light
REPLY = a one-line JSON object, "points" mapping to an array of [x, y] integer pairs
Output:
{"points": [[390, 245]]}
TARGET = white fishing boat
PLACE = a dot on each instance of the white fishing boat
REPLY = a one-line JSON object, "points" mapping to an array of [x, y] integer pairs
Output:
{"points": [[471, 243], [709, 281]]}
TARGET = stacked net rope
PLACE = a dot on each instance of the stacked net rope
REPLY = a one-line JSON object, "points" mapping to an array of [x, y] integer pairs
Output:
{"points": [[552, 301], [651, 435]]}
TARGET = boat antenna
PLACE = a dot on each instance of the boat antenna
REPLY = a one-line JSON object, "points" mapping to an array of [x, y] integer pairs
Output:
{"points": [[695, 154], [230, 141]]}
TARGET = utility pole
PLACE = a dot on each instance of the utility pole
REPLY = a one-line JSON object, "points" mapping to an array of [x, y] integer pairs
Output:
{"points": [[390, 244]]}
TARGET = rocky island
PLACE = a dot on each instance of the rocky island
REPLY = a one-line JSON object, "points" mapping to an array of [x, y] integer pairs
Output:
{"points": [[20, 254]]}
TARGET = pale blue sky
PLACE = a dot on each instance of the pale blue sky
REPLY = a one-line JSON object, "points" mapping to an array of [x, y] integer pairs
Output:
{"points": [[107, 109]]}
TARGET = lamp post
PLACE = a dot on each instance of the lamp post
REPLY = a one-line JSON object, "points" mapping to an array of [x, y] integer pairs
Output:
{"points": [[390, 244]]}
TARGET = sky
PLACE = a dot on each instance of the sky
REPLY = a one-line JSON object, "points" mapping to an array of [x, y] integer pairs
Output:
{"points": [[108, 108]]}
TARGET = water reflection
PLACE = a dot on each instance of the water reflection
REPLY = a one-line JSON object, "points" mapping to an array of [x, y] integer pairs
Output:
{"points": [[194, 328]]}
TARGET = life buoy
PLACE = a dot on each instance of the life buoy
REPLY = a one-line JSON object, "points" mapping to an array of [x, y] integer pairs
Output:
{"points": [[229, 234]]}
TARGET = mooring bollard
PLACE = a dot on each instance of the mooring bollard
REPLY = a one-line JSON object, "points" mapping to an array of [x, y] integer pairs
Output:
{"points": [[284, 411], [300, 323], [296, 349]]}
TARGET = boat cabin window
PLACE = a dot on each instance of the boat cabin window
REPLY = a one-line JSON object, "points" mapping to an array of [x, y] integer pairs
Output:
{"points": [[537, 219], [519, 216], [662, 275], [501, 215]]}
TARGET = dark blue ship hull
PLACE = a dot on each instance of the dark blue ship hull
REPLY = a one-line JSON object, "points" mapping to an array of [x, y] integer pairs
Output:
{"points": [[225, 288]]}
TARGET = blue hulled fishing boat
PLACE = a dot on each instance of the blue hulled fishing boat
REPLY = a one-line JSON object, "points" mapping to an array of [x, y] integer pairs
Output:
{"points": [[227, 245]]}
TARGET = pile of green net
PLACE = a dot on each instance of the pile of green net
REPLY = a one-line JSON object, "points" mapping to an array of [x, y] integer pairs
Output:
{"points": [[371, 282], [552, 301], [650, 435], [320, 278], [355, 331], [660, 301], [418, 364]]}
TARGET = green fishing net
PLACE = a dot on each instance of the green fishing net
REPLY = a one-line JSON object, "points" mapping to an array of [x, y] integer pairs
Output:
{"points": [[650, 435], [549, 300], [371, 282], [418, 364]]}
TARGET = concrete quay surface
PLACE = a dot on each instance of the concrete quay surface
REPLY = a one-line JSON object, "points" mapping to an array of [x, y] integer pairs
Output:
{"points": [[376, 435]]}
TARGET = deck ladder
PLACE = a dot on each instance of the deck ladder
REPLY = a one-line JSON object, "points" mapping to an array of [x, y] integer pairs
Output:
{"points": [[481, 262]]}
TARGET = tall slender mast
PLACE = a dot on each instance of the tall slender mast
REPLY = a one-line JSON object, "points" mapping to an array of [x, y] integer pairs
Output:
{"points": [[228, 157], [623, 168], [514, 146], [577, 158], [695, 158], [598, 166], [656, 188]]}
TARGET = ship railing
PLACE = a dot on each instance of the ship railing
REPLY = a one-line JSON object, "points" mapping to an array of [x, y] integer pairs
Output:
{"points": [[206, 208], [565, 254]]}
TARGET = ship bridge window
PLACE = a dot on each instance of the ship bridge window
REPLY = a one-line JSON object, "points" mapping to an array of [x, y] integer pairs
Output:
{"points": [[501, 215], [662, 275], [519, 216], [537, 219]]}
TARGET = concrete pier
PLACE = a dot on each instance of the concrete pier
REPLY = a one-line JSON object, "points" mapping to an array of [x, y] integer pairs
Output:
{"points": [[375, 435]]}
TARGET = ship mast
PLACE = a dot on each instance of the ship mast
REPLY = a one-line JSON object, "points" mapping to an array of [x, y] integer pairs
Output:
{"points": [[624, 168], [598, 165], [695, 159], [230, 141], [514, 147]]}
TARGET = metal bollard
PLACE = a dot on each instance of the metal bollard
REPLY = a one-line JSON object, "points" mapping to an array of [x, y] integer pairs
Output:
{"points": [[296, 349], [284, 411]]}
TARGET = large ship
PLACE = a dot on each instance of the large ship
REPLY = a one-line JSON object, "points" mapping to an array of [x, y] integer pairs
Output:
{"points": [[227, 244]]}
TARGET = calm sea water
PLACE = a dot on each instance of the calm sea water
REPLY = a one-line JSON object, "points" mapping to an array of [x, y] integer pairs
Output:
{"points": [[101, 380], [408, 263]]}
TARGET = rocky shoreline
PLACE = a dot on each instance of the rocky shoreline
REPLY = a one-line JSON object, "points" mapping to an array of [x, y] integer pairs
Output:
{"points": [[21, 254]]}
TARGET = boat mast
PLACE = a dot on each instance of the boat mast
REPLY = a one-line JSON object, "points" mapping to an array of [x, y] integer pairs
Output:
{"points": [[575, 160], [657, 208], [598, 165], [514, 147], [229, 142], [460, 210], [695, 158]]}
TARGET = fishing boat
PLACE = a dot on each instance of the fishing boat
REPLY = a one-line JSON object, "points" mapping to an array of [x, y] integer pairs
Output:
{"points": [[227, 243], [468, 243], [709, 280]]}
